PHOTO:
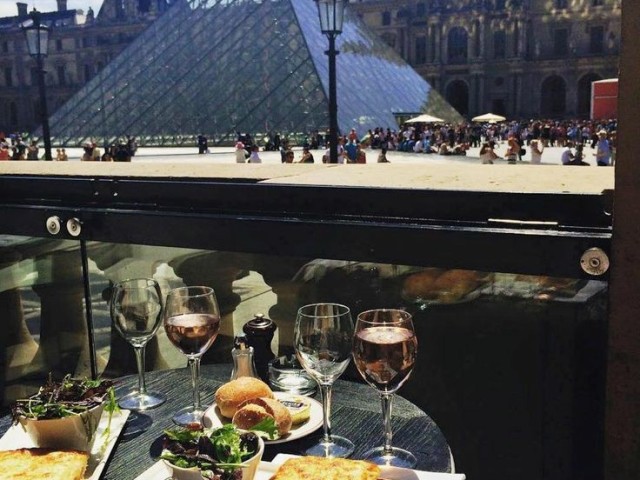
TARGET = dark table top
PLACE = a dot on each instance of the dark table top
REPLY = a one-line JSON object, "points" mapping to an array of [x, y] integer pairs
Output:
{"points": [[356, 414]]}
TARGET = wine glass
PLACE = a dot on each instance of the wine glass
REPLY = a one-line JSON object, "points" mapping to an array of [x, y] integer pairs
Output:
{"points": [[322, 341], [136, 312], [192, 322], [384, 351]]}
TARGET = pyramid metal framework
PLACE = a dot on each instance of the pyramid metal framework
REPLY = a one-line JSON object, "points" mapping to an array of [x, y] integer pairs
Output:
{"points": [[219, 67]]}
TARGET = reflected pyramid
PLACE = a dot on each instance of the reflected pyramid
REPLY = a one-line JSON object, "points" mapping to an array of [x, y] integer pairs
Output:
{"points": [[227, 66]]}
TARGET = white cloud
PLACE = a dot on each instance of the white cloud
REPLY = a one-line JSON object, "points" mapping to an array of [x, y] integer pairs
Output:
{"points": [[8, 8]]}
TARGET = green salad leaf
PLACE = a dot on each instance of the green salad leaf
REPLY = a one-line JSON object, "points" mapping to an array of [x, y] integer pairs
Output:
{"points": [[267, 426]]}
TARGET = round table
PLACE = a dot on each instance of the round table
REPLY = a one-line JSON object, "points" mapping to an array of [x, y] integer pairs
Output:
{"points": [[355, 415]]}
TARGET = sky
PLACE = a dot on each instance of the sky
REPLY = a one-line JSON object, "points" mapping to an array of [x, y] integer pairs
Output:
{"points": [[8, 7]]}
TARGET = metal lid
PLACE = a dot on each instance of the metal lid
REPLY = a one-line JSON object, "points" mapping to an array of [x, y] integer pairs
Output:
{"points": [[260, 325]]}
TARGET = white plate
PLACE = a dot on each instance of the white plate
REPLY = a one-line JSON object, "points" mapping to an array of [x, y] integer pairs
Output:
{"points": [[159, 471], [16, 437], [212, 419]]}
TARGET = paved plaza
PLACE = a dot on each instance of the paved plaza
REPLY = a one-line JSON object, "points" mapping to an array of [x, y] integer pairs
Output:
{"points": [[221, 155]]}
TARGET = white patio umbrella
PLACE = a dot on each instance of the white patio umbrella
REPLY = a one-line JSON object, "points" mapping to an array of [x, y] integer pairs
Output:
{"points": [[425, 118], [489, 117]]}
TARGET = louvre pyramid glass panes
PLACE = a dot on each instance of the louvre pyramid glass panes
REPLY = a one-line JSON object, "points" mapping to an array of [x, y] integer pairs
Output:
{"points": [[218, 67]]}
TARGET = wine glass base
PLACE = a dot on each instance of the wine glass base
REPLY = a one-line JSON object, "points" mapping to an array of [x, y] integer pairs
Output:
{"points": [[188, 416], [397, 457], [339, 447], [141, 401], [136, 424]]}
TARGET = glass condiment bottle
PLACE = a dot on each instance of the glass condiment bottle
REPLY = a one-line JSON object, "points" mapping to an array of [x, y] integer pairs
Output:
{"points": [[243, 361], [259, 332]]}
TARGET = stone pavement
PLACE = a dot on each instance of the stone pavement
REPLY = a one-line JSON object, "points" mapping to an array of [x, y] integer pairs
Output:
{"points": [[220, 155]]}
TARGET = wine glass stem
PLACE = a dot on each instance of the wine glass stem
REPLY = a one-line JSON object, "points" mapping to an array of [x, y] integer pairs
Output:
{"points": [[387, 400], [194, 364], [325, 390], [139, 351]]}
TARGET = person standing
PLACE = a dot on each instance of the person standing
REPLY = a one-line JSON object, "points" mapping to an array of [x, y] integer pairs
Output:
{"points": [[603, 149]]}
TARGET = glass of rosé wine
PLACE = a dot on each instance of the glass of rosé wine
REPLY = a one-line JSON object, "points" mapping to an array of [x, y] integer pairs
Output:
{"points": [[192, 322], [384, 351]]}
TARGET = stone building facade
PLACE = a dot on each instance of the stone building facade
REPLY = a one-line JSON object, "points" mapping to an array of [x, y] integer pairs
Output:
{"points": [[518, 58]]}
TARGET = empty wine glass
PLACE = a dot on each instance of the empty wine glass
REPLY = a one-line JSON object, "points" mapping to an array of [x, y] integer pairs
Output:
{"points": [[322, 339], [384, 351], [192, 322], [136, 312]]}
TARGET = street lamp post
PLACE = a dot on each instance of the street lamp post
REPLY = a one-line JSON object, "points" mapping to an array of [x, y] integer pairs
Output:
{"points": [[37, 36], [331, 13]]}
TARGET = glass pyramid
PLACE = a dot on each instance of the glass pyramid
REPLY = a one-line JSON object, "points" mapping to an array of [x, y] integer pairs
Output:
{"points": [[219, 67]]}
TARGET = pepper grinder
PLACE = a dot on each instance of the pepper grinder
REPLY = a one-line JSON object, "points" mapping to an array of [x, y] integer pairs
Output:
{"points": [[259, 332]]}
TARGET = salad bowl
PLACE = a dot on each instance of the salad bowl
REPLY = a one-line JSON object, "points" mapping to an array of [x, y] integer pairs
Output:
{"points": [[65, 414], [184, 450]]}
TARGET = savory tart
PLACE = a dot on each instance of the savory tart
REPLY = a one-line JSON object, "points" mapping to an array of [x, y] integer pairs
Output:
{"points": [[320, 468], [42, 463]]}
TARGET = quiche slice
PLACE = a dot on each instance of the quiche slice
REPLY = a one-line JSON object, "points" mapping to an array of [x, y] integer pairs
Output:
{"points": [[43, 464], [319, 468]]}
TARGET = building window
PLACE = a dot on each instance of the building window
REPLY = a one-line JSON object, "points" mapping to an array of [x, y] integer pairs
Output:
{"points": [[421, 50], [561, 4], [501, 4], [597, 3], [386, 18], [8, 76], [596, 39], [62, 77], [421, 9], [389, 39], [457, 45], [476, 41], [88, 73], [5, 47], [13, 113], [59, 44], [561, 42], [499, 44]]}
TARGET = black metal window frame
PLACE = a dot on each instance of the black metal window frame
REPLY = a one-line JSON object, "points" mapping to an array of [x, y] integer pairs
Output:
{"points": [[539, 233]]}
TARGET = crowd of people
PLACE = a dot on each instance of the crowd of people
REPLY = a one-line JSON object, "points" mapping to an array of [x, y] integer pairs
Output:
{"points": [[450, 139], [516, 137]]}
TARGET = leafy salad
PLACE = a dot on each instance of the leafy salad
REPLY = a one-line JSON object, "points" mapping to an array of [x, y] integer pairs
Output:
{"points": [[70, 396], [218, 453]]}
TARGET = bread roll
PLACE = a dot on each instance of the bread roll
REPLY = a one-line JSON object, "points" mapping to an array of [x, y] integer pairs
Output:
{"points": [[230, 395], [255, 410]]}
